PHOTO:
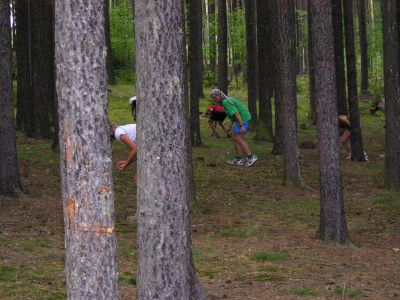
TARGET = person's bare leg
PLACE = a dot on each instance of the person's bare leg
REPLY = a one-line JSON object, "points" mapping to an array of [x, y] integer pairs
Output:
{"points": [[213, 127], [239, 140], [345, 139]]}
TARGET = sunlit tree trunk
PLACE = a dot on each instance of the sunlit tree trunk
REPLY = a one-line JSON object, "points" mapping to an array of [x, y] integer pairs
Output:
{"points": [[85, 152]]}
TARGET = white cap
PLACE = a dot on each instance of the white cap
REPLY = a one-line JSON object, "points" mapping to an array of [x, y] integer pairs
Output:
{"points": [[132, 99]]}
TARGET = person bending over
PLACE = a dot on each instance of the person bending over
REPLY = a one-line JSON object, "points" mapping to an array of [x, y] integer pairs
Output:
{"points": [[217, 116], [240, 117], [126, 134]]}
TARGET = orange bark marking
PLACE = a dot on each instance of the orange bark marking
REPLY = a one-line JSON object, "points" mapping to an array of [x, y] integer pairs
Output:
{"points": [[70, 208]]}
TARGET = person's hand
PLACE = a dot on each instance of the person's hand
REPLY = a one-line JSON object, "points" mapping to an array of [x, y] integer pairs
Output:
{"points": [[122, 164], [242, 129]]}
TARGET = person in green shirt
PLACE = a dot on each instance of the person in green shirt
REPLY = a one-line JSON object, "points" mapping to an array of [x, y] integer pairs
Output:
{"points": [[240, 117]]}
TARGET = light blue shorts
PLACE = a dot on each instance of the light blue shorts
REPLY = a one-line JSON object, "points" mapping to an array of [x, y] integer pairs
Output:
{"points": [[236, 127]]}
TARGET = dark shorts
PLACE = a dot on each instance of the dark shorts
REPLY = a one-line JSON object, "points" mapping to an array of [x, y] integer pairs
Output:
{"points": [[218, 116]]}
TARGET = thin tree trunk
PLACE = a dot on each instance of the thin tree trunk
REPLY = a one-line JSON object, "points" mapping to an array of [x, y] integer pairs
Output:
{"points": [[165, 266], [265, 61], [10, 184], [222, 47], [212, 35], [357, 148], [42, 69], [251, 45], [287, 91], [364, 48], [312, 115], [332, 227], [391, 56], [195, 60], [24, 86], [85, 150], [337, 17]]}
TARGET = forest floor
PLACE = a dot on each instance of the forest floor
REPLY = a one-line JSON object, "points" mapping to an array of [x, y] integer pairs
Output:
{"points": [[252, 237]]}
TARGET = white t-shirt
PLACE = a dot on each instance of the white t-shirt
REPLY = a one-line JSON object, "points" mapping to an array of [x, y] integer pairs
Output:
{"points": [[129, 130]]}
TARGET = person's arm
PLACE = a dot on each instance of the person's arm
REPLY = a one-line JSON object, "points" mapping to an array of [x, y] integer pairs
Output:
{"points": [[123, 164]]}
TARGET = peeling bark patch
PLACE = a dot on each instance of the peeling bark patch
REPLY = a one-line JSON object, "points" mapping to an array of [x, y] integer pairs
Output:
{"points": [[70, 208]]}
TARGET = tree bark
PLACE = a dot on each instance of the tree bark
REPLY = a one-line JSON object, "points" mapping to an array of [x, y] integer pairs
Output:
{"points": [[24, 65], [357, 148], [195, 61], [391, 56], [85, 150], [212, 35], [312, 115], [251, 45], [363, 47], [10, 184], [265, 62], [165, 267], [222, 47], [332, 226], [337, 18], [287, 91], [42, 69]]}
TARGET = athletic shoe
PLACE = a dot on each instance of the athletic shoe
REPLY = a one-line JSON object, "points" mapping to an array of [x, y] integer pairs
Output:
{"points": [[235, 162], [251, 160], [366, 156]]}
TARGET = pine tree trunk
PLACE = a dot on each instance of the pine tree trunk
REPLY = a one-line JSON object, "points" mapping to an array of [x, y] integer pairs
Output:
{"points": [[337, 18], [109, 61], [287, 91], [24, 86], [212, 35], [265, 61], [332, 226], [42, 68], [251, 45], [312, 114], [10, 184], [85, 149], [222, 47], [357, 148], [195, 60], [165, 266], [391, 56], [364, 48]]}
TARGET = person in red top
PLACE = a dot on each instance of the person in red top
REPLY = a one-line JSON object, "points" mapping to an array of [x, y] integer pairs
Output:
{"points": [[217, 115]]}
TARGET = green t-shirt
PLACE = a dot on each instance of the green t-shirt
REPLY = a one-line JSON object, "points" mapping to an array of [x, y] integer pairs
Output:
{"points": [[232, 106]]}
